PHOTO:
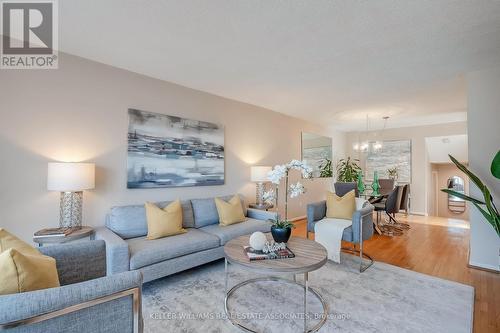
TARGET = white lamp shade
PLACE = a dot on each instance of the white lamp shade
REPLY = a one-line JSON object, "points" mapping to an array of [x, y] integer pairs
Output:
{"points": [[259, 173], [70, 177]]}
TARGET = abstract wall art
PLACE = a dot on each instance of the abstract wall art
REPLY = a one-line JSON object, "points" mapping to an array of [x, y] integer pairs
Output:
{"points": [[396, 154], [171, 151]]}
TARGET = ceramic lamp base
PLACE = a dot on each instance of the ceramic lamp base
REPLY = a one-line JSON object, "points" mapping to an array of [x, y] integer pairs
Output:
{"points": [[71, 210], [259, 195]]}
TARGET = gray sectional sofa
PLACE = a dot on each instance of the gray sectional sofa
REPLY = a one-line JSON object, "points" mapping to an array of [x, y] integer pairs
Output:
{"points": [[127, 248]]}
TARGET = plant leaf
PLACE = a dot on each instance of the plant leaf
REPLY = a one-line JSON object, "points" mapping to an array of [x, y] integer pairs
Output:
{"points": [[495, 165], [489, 203], [493, 221], [462, 196], [475, 179]]}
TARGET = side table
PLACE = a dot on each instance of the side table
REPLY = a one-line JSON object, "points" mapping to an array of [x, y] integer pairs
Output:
{"points": [[265, 207], [76, 234]]}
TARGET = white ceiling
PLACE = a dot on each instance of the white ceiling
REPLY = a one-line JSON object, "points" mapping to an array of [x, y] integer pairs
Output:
{"points": [[331, 62], [438, 148]]}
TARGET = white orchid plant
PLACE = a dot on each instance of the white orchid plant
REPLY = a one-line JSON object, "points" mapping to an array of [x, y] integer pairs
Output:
{"points": [[275, 176]]}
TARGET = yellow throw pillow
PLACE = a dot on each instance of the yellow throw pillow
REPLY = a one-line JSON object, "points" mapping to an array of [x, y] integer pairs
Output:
{"points": [[230, 212], [7, 241], [164, 222], [26, 272], [340, 207]]}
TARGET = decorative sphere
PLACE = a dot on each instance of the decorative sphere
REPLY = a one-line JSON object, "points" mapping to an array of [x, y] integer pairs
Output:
{"points": [[258, 240]]}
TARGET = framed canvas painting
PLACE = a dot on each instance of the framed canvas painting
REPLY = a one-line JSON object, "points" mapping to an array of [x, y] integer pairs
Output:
{"points": [[393, 154], [171, 151]]}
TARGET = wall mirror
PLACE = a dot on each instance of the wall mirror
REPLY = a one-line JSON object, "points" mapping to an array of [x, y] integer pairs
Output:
{"points": [[317, 152], [456, 204]]}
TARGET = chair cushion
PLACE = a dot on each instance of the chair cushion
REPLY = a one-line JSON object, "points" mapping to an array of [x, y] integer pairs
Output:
{"points": [[205, 211], [226, 233], [23, 268], [144, 252], [8, 240], [164, 222], [26, 272], [130, 221], [340, 207]]}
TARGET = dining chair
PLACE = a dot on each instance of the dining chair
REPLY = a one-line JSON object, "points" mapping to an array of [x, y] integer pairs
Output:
{"points": [[391, 206], [341, 188], [405, 198], [386, 185]]}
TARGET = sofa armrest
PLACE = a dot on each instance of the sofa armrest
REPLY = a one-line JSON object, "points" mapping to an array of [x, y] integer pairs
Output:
{"points": [[117, 251], [363, 216], [111, 304], [315, 212], [78, 261], [260, 214]]}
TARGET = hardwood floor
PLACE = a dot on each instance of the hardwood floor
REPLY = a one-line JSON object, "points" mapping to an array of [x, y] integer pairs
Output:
{"points": [[438, 247]]}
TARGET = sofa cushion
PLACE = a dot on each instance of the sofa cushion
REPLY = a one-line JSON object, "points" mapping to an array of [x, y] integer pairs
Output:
{"points": [[130, 221], [205, 211], [144, 252], [230, 212], [226, 233]]}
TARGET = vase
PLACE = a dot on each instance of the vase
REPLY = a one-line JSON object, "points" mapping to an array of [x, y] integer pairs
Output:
{"points": [[361, 185], [281, 235], [375, 184]]}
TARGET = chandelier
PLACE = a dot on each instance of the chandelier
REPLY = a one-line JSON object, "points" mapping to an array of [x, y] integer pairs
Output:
{"points": [[373, 145]]}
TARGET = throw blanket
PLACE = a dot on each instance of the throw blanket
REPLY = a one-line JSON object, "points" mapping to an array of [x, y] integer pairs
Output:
{"points": [[328, 232]]}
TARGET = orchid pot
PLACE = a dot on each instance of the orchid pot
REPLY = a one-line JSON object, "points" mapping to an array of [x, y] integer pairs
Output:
{"points": [[281, 229], [281, 235]]}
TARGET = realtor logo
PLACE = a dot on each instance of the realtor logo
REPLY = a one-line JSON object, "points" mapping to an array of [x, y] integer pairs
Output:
{"points": [[29, 34]]}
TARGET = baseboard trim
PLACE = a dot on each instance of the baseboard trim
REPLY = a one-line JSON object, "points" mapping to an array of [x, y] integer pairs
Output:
{"points": [[418, 213], [486, 268], [303, 217]]}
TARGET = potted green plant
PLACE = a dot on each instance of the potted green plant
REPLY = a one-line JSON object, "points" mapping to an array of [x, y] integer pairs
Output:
{"points": [[485, 205], [281, 229], [326, 168], [392, 173], [347, 170]]}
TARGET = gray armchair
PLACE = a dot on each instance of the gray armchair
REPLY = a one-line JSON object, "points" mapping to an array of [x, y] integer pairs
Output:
{"points": [[361, 229], [87, 300], [342, 188]]}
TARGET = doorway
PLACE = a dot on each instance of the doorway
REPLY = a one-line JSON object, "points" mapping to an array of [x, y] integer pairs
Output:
{"points": [[443, 174]]}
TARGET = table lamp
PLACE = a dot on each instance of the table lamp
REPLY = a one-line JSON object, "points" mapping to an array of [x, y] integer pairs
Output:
{"points": [[71, 179], [258, 174]]}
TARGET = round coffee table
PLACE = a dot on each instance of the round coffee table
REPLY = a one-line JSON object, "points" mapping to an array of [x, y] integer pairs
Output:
{"points": [[309, 256]]}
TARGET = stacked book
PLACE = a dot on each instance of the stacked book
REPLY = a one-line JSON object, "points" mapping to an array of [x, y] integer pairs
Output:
{"points": [[260, 255], [52, 232]]}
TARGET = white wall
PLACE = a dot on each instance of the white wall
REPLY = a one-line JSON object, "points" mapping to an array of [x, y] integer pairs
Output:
{"points": [[484, 142], [79, 113], [420, 167], [440, 147]]}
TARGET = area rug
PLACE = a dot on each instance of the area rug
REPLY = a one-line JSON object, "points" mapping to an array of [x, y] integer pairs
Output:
{"points": [[384, 298]]}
